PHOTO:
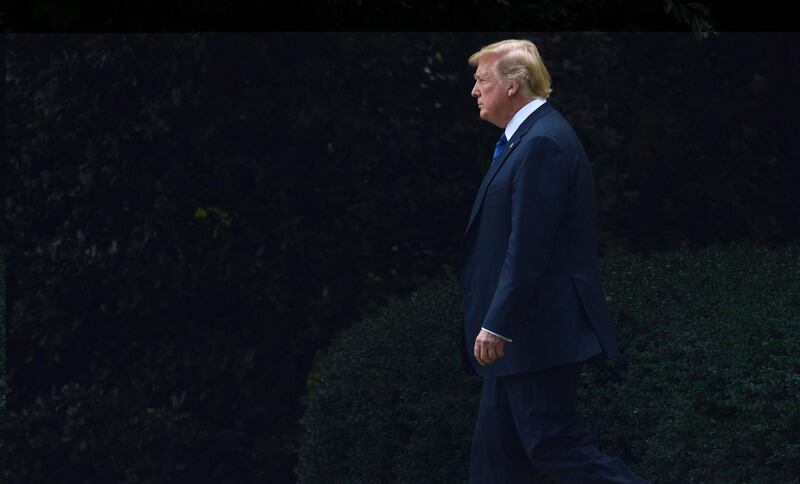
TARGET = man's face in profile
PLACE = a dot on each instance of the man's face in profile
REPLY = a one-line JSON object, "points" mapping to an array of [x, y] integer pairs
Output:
{"points": [[490, 92]]}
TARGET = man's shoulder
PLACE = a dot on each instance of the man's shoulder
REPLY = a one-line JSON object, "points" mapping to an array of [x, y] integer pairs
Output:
{"points": [[551, 124], [553, 115]]}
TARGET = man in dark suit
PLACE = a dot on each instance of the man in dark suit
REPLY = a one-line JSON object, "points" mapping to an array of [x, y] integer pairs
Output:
{"points": [[534, 307]]}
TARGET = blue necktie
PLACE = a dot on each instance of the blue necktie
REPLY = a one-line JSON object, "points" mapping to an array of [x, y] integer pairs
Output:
{"points": [[498, 148]]}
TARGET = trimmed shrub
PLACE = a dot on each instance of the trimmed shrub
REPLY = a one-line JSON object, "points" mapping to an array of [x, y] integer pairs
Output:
{"points": [[387, 402], [705, 391], [708, 387]]}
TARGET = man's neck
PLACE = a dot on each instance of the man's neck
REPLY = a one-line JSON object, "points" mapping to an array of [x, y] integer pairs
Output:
{"points": [[521, 114], [519, 103]]}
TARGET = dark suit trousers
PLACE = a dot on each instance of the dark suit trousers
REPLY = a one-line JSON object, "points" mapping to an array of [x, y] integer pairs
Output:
{"points": [[528, 421]]}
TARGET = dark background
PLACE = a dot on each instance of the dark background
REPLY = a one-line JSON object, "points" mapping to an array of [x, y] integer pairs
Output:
{"points": [[404, 15], [191, 217]]}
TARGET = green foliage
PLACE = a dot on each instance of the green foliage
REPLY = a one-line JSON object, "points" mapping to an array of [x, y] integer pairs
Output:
{"points": [[708, 387], [677, 161], [181, 250], [386, 400], [705, 390]]}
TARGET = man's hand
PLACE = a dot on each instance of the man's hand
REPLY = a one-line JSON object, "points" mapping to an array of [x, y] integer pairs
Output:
{"points": [[488, 348]]}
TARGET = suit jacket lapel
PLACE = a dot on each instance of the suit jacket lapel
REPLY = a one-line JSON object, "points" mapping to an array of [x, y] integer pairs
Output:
{"points": [[512, 143]]}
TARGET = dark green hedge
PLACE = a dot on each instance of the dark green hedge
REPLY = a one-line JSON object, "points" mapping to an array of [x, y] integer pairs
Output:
{"points": [[706, 389], [387, 401]]}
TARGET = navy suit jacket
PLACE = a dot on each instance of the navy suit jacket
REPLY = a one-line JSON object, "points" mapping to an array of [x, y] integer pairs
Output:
{"points": [[529, 265]]}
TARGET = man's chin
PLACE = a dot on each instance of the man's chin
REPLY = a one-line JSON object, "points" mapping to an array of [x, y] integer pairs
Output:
{"points": [[485, 117]]}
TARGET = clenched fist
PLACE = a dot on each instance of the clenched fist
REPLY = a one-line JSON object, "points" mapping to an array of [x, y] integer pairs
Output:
{"points": [[488, 348]]}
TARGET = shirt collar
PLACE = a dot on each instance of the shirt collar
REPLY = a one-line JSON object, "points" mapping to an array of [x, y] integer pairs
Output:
{"points": [[522, 115]]}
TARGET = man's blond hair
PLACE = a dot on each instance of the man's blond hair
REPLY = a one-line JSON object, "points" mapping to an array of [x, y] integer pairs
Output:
{"points": [[518, 60]]}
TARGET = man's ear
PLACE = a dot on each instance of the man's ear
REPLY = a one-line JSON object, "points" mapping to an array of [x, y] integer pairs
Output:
{"points": [[513, 87]]}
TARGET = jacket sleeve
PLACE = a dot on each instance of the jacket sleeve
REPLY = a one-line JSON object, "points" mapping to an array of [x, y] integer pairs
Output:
{"points": [[539, 191]]}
